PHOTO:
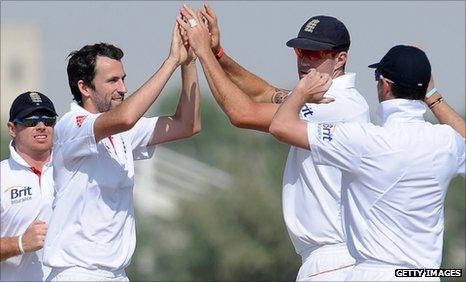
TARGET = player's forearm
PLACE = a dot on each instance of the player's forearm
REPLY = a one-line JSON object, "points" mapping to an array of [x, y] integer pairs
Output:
{"points": [[9, 248], [125, 116], [188, 110], [286, 125], [242, 111], [252, 85], [445, 114]]}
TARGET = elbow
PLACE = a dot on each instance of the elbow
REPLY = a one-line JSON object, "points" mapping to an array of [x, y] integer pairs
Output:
{"points": [[237, 122], [250, 122], [239, 119], [126, 123], [240, 123], [277, 129], [191, 128], [197, 127]]}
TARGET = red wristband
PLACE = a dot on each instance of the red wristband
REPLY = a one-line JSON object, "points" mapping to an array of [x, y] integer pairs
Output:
{"points": [[219, 52]]}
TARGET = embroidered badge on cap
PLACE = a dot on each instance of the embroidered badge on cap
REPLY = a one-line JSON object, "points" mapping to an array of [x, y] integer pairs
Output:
{"points": [[35, 97], [311, 25], [80, 120]]}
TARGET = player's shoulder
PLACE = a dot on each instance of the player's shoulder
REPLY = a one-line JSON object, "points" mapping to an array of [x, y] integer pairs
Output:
{"points": [[441, 130], [5, 165], [73, 120], [445, 131], [341, 110]]}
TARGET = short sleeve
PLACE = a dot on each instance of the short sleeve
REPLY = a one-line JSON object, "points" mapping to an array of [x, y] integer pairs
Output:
{"points": [[335, 144], [140, 135], [337, 111], [460, 142], [74, 135]]}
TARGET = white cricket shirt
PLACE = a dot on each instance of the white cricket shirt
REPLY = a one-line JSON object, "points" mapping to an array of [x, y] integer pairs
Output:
{"points": [[93, 223], [394, 205], [311, 193], [26, 196]]}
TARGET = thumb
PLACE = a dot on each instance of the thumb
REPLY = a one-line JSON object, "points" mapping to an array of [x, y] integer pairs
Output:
{"points": [[326, 100]]}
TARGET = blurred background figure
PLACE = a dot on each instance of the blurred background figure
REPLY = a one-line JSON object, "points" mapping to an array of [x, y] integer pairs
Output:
{"points": [[27, 188]]}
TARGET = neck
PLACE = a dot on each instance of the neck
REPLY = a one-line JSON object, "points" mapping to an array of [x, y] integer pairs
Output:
{"points": [[34, 159], [337, 73], [89, 106]]}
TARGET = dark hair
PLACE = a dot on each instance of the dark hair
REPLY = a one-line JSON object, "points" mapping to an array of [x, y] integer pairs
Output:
{"points": [[81, 65], [407, 93]]}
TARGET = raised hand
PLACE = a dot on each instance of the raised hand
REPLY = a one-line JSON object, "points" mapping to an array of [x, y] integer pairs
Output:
{"points": [[190, 52], [178, 51], [33, 238], [212, 25], [313, 86], [196, 30]]}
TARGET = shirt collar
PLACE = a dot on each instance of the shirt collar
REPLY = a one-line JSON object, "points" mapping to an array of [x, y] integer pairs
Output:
{"points": [[74, 107], [19, 160], [346, 81], [401, 110]]}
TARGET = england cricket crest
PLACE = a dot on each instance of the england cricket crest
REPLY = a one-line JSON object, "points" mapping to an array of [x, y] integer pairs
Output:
{"points": [[35, 97], [311, 25]]}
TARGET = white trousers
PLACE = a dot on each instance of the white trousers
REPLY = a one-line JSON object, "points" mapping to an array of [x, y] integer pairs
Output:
{"points": [[326, 263], [83, 274]]}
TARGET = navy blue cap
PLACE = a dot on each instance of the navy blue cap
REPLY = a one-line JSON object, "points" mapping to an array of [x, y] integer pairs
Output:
{"points": [[407, 66], [321, 33], [29, 102]]}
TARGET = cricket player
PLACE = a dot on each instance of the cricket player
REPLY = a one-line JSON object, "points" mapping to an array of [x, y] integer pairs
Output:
{"points": [[400, 171], [92, 232], [27, 188], [311, 193]]}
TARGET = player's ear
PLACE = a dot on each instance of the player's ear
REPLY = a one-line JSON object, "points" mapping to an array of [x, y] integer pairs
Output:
{"points": [[11, 129], [84, 89], [341, 58]]}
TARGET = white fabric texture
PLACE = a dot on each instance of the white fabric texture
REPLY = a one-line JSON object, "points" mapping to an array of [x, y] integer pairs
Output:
{"points": [[24, 199], [93, 223], [400, 172]]}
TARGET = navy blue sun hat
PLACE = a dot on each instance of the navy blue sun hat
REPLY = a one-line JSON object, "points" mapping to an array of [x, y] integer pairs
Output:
{"points": [[405, 65], [29, 102], [321, 33]]}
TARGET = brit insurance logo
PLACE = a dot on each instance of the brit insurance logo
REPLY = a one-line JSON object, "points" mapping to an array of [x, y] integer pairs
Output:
{"points": [[19, 194], [306, 112], [325, 131]]}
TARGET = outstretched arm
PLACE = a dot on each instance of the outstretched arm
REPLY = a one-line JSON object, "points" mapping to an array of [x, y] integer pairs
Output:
{"points": [[286, 125], [239, 107], [125, 116], [252, 85], [443, 112], [187, 119]]}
